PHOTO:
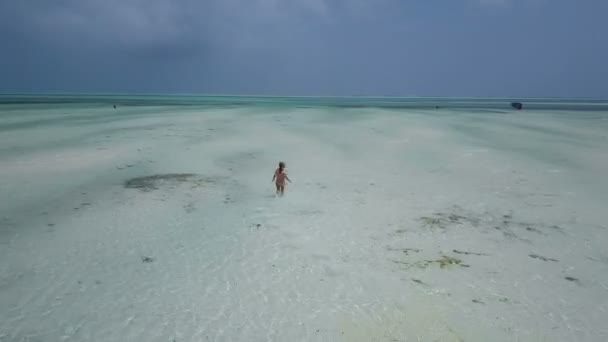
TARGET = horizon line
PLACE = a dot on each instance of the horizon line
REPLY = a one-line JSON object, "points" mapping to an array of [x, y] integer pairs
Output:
{"points": [[303, 96]]}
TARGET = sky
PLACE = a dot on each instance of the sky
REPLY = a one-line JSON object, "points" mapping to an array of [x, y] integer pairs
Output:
{"points": [[489, 48]]}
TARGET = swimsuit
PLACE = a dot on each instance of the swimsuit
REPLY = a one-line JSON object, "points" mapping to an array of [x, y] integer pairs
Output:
{"points": [[280, 177]]}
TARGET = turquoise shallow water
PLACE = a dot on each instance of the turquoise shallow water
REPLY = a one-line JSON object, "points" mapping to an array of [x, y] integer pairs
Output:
{"points": [[405, 222], [343, 102]]}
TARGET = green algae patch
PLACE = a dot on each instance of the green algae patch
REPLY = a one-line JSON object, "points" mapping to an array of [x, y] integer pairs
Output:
{"points": [[446, 261]]}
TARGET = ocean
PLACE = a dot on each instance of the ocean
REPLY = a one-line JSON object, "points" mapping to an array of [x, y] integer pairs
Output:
{"points": [[154, 218]]}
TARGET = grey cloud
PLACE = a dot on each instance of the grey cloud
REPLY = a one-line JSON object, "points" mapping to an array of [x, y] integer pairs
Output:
{"points": [[306, 47], [102, 21]]}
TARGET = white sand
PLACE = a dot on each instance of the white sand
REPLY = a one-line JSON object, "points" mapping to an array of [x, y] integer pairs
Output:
{"points": [[347, 255]]}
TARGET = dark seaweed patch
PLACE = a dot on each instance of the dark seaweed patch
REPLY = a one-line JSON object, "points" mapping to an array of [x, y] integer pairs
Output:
{"points": [[170, 180], [532, 229], [505, 223], [146, 259], [442, 220], [444, 262], [189, 208], [572, 279], [540, 257], [469, 253]]}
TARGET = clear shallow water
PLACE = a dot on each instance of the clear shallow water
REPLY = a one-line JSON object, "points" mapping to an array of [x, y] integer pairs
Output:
{"points": [[497, 104], [463, 223]]}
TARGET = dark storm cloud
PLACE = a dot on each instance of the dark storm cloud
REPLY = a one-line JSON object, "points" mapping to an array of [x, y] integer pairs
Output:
{"points": [[132, 24], [303, 47]]}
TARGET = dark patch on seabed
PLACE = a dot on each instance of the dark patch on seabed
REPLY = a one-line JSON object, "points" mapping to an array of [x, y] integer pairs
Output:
{"points": [[418, 281], [146, 259], [170, 180], [443, 262], [469, 253], [442, 220], [540, 257], [190, 207], [457, 217], [228, 199], [574, 280]]}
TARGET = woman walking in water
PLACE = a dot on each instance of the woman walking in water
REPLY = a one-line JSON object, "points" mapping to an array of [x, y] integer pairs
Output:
{"points": [[280, 175]]}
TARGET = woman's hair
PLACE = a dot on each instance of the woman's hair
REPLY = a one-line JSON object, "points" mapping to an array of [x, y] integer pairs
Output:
{"points": [[281, 165]]}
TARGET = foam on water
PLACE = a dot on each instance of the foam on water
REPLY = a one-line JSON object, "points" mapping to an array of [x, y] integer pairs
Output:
{"points": [[401, 225]]}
